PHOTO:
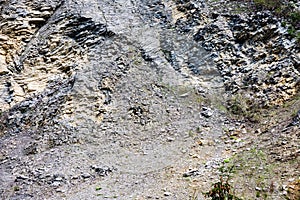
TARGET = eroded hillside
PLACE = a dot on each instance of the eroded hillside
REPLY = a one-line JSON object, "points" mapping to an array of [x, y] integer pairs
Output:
{"points": [[146, 100]]}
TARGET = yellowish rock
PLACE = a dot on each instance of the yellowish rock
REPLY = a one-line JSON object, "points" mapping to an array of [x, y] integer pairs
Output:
{"points": [[3, 68], [36, 86], [3, 38]]}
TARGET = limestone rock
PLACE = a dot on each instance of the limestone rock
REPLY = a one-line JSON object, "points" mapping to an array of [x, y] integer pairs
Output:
{"points": [[3, 67]]}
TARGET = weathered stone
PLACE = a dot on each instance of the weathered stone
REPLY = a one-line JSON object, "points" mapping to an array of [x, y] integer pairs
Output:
{"points": [[86, 175], [206, 112], [193, 172], [167, 194], [3, 38], [36, 20], [36, 86], [3, 66], [101, 170]]}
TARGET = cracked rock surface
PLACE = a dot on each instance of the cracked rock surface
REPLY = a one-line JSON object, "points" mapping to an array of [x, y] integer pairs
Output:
{"points": [[128, 99]]}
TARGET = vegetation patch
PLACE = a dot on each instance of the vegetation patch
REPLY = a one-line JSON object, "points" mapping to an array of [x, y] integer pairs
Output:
{"points": [[239, 104], [252, 174], [222, 190]]}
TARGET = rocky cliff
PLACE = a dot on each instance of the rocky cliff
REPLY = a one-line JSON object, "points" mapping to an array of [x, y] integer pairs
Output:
{"points": [[145, 99]]}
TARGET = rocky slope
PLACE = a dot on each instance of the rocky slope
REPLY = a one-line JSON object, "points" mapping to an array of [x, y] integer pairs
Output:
{"points": [[136, 100]]}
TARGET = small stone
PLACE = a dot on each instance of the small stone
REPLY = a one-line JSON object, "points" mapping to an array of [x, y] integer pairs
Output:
{"points": [[200, 142], [183, 151], [36, 20], [3, 38], [56, 183], [206, 112], [284, 142], [46, 13], [193, 172], [35, 12], [194, 156], [184, 95], [284, 187], [258, 131], [35, 86], [3, 69], [170, 139], [58, 178], [101, 170], [86, 175], [284, 192], [60, 190], [201, 90], [75, 177], [22, 177], [244, 131], [291, 179], [167, 194], [46, 8]]}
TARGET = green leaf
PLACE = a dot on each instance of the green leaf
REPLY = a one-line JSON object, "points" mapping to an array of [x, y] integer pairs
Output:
{"points": [[98, 188]]}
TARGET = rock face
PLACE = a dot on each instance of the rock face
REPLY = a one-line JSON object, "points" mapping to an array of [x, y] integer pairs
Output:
{"points": [[91, 78], [254, 54], [103, 99], [21, 23]]}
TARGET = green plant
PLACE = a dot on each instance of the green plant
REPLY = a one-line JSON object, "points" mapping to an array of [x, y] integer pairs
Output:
{"points": [[199, 129], [252, 173], [269, 4], [291, 30], [16, 188], [191, 133], [222, 190], [98, 188], [250, 109], [237, 105], [222, 108], [194, 196], [294, 17]]}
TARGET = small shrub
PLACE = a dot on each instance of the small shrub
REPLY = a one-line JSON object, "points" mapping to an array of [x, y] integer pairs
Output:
{"points": [[269, 4], [222, 190], [295, 16]]}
